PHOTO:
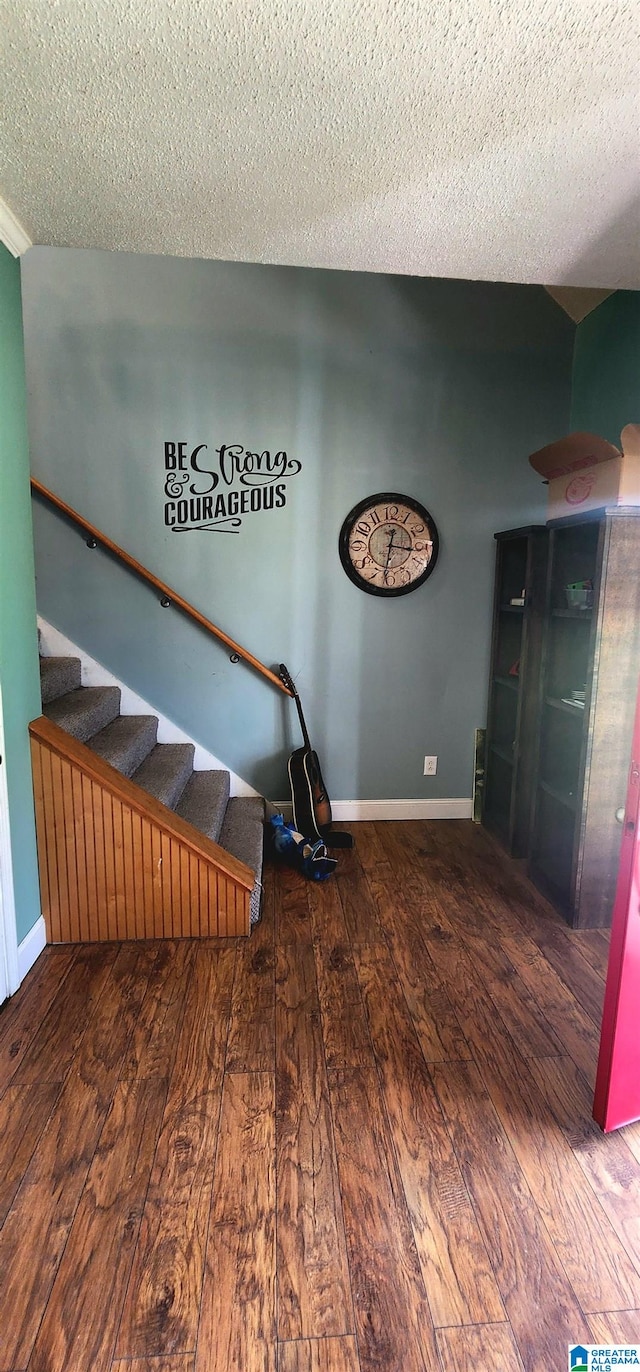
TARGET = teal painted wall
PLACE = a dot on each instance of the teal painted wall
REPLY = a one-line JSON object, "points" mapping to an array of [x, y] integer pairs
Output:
{"points": [[19, 677], [438, 389], [606, 367]]}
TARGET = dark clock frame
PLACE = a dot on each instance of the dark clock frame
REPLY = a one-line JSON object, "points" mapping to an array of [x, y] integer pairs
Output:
{"points": [[391, 498]]}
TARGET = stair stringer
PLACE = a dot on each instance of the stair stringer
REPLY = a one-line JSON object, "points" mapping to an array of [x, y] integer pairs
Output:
{"points": [[117, 864]]}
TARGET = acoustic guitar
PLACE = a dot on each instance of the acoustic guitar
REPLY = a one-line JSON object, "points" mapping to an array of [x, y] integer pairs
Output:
{"points": [[311, 804]]}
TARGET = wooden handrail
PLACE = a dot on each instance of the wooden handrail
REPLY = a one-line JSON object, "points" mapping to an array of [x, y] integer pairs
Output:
{"points": [[158, 585]]}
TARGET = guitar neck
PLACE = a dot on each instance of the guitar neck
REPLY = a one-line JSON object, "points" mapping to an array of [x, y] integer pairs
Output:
{"points": [[305, 732], [286, 677]]}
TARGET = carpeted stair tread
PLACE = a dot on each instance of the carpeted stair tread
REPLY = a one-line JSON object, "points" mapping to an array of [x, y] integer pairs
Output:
{"points": [[166, 771], [126, 742], [203, 802], [242, 835], [85, 711], [58, 675], [242, 831]]}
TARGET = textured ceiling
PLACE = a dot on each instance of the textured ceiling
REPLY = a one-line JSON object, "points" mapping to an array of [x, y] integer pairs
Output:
{"points": [[491, 139]]}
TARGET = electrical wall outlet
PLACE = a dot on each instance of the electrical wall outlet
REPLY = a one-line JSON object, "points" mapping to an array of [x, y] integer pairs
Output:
{"points": [[430, 766]]}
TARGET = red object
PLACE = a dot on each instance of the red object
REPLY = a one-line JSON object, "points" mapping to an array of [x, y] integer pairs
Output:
{"points": [[617, 1096]]}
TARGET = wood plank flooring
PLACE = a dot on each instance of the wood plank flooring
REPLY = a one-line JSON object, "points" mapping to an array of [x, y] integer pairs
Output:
{"points": [[360, 1141]]}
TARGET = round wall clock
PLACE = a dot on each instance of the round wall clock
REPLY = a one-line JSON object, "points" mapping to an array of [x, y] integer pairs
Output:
{"points": [[388, 544]]}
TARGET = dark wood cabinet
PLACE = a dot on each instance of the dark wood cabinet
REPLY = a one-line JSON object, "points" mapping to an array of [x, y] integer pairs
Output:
{"points": [[564, 676], [588, 684], [513, 686]]}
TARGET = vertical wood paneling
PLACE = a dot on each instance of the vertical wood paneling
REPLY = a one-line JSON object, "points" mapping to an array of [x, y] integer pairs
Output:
{"points": [[109, 854], [176, 892], [130, 887], [118, 855], [75, 843], [203, 903], [54, 928], [223, 903], [108, 873], [101, 881], [70, 847], [58, 833], [147, 876], [164, 875], [156, 878], [43, 854], [90, 849], [194, 882], [57, 776], [82, 866], [217, 904], [108, 896], [230, 907], [185, 887], [138, 876], [241, 902]]}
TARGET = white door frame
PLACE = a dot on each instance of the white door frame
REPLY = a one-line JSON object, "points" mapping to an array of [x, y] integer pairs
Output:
{"points": [[9, 973]]}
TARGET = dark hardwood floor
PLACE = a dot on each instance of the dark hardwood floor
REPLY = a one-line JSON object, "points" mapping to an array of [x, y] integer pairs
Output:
{"points": [[360, 1141]]}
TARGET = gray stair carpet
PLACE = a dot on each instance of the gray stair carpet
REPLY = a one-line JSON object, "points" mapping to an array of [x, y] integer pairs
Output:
{"points": [[204, 801], [166, 771], [91, 714], [57, 676], [83, 712], [242, 834], [126, 742]]}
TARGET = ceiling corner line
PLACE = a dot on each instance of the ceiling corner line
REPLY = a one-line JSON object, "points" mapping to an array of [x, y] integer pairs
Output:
{"points": [[579, 301], [12, 234]]}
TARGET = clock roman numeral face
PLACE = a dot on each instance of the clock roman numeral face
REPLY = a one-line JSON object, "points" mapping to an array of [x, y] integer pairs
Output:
{"points": [[388, 545]]}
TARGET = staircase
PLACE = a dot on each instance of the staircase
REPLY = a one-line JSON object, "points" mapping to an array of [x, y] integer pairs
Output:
{"points": [[159, 776]]}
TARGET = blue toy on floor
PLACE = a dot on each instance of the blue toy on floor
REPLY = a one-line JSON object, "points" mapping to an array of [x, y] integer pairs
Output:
{"points": [[310, 858]]}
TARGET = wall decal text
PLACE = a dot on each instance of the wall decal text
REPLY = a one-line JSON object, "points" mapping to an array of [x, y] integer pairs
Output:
{"points": [[203, 493]]}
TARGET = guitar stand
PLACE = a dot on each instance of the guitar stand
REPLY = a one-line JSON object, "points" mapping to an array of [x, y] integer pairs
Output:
{"points": [[336, 838]]}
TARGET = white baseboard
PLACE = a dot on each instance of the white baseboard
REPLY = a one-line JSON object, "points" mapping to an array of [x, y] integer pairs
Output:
{"points": [[31, 948], [55, 644], [9, 975], [458, 807]]}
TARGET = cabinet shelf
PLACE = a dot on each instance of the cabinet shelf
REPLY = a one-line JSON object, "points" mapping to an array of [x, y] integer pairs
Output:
{"points": [[576, 711], [565, 798], [510, 683], [502, 752], [584, 615], [512, 609]]}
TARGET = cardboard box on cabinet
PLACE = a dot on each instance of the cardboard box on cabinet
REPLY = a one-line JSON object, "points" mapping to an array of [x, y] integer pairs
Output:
{"points": [[585, 472]]}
